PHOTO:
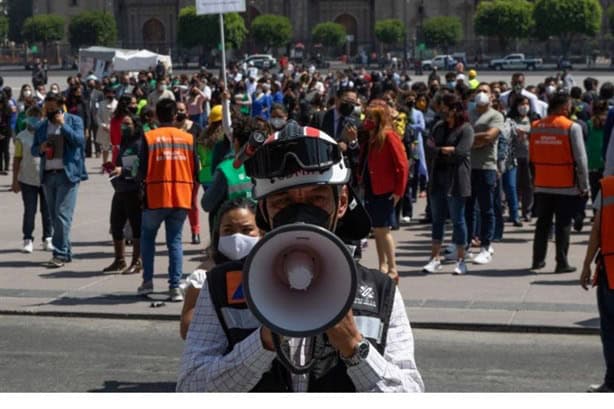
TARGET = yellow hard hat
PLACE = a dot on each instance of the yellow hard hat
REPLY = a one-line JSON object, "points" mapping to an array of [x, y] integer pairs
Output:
{"points": [[216, 114], [472, 74]]}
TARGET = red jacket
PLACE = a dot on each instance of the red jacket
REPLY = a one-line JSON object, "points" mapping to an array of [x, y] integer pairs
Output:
{"points": [[388, 166]]}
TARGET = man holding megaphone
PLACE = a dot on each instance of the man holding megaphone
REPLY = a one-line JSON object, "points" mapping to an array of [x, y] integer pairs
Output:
{"points": [[298, 315]]}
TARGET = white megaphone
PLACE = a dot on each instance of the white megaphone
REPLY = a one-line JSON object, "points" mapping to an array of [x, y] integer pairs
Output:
{"points": [[299, 281]]}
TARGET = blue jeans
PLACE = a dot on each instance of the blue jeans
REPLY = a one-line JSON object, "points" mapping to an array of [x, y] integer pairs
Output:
{"points": [[509, 179], [498, 208], [173, 222], [441, 206], [483, 183], [61, 200], [605, 303], [30, 196], [199, 119]]}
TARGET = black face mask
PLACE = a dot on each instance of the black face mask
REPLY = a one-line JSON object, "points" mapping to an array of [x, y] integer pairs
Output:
{"points": [[346, 109], [181, 117], [133, 110], [301, 213]]}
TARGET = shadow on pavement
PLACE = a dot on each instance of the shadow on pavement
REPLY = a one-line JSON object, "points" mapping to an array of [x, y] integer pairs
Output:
{"points": [[92, 243], [72, 274], [593, 322], [500, 273], [105, 299], [574, 281], [118, 386], [19, 264]]}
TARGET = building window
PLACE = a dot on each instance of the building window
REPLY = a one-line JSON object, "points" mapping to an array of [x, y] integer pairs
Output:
{"points": [[73, 3]]}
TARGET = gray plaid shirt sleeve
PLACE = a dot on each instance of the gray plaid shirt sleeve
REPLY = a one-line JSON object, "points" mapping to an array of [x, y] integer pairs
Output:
{"points": [[396, 370], [205, 368]]}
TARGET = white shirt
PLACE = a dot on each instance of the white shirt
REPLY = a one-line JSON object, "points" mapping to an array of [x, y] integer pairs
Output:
{"points": [[205, 368], [537, 106]]}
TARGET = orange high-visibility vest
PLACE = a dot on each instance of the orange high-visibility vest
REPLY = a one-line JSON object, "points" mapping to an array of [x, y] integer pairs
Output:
{"points": [[607, 228], [551, 154], [170, 169]]}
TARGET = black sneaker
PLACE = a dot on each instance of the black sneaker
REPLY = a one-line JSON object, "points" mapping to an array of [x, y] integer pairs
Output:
{"points": [[599, 388], [538, 266], [195, 238], [565, 269]]}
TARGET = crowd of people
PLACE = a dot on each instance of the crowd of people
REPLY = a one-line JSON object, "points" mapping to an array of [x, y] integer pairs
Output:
{"points": [[483, 154]]}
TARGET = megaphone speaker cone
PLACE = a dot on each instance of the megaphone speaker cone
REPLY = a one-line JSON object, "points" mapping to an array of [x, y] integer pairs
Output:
{"points": [[300, 280]]}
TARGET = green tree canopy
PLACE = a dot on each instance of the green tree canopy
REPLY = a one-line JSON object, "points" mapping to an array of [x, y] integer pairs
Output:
{"points": [[610, 14], [4, 27], [442, 32], [43, 28], [567, 19], [271, 30], [18, 11], [504, 19], [329, 34], [194, 30], [92, 28], [390, 31]]}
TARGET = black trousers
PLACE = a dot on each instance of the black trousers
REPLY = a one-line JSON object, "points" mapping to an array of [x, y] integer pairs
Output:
{"points": [[562, 208], [5, 156], [126, 206]]}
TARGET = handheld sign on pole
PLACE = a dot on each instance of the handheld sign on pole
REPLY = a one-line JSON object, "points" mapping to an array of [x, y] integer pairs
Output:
{"points": [[220, 7]]}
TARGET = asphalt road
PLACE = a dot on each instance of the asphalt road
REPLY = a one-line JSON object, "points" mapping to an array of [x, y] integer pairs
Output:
{"points": [[78, 355]]}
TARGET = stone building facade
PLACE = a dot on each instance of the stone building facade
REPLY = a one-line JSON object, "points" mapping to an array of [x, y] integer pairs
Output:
{"points": [[152, 24]]}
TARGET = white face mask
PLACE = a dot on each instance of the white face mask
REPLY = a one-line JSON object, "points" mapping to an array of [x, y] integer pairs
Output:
{"points": [[278, 123], [27, 93], [482, 99], [523, 110], [237, 246]]}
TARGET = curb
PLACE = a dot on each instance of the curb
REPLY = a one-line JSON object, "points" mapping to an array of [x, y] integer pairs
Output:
{"points": [[470, 327]]}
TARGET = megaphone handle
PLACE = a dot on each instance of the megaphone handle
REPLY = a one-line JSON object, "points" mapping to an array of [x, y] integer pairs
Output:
{"points": [[285, 360]]}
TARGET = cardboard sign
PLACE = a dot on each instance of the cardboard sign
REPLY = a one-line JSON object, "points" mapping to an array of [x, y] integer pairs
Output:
{"points": [[219, 6]]}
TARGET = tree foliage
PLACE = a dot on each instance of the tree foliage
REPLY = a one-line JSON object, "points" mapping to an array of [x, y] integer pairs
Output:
{"points": [[442, 32], [567, 19], [194, 30], [18, 11], [272, 31], [390, 31], [4, 27], [92, 28], [610, 14], [504, 19], [43, 28], [329, 34]]}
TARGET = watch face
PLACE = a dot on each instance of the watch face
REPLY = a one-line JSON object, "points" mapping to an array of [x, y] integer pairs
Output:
{"points": [[363, 349]]}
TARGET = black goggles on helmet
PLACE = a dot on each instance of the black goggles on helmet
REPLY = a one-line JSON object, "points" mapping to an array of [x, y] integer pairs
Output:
{"points": [[287, 157]]}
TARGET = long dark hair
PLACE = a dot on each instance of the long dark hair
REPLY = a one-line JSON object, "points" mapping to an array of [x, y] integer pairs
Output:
{"points": [[122, 106], [519, 100], [455, 104], [138, 130]]}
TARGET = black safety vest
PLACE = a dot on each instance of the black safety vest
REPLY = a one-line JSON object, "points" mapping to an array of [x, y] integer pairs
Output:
{"points": [[372, 309]]}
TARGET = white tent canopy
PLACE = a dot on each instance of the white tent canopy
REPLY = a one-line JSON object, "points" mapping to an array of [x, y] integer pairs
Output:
{"points": [[103, 60]]}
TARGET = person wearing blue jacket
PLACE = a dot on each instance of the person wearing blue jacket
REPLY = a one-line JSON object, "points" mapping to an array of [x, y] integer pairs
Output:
{"points": [[59, 141]]}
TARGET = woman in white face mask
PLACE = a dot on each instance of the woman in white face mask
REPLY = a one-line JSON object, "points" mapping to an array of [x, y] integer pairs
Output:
{"points": [[235, 234]]}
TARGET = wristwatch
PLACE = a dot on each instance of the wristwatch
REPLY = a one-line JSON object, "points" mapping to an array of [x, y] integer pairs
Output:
{"points": [[360, 354]]}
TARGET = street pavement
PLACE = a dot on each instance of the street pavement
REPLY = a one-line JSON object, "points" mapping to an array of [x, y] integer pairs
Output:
{"points": [[501, 296]]}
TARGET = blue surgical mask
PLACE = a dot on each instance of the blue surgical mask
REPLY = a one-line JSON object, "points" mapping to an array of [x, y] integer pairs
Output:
{"points": [[32, 122]]}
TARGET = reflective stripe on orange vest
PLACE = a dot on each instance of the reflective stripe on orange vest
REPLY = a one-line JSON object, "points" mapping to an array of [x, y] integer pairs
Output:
{"points": [[607, 228], [551, 154], [170, 169]]}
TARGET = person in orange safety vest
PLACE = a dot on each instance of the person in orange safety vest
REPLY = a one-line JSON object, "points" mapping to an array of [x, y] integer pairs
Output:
{"points": [[168, 167], [602, 240]]}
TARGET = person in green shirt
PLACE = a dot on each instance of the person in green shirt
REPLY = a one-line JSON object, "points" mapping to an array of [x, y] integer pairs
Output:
{"points": [[594, 145]]}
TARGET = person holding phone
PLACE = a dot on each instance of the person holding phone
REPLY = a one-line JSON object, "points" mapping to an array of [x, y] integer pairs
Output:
{"points": [[60, 142]]}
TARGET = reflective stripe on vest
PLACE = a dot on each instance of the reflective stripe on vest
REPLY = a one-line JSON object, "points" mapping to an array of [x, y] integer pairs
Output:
{"points": [[551, 154], [243, 319], [607, 227], [239, 184], [170, 169]]}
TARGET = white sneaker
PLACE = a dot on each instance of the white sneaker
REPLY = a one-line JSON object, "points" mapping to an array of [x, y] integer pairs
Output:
{"points": [[433, 266], [405, 220], [28, 246], [47, 245], [483, 258], [461, 268], [491, 250]]}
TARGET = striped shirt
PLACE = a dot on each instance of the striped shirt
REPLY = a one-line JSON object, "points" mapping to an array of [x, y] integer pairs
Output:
{"points": [[205, 368]]}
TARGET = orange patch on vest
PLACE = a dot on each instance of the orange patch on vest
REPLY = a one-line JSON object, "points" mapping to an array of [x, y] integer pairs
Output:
{"points": [[234, 288]]}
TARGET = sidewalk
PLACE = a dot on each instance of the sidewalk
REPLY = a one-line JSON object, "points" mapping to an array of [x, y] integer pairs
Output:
{"points": [[503, 295]]}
